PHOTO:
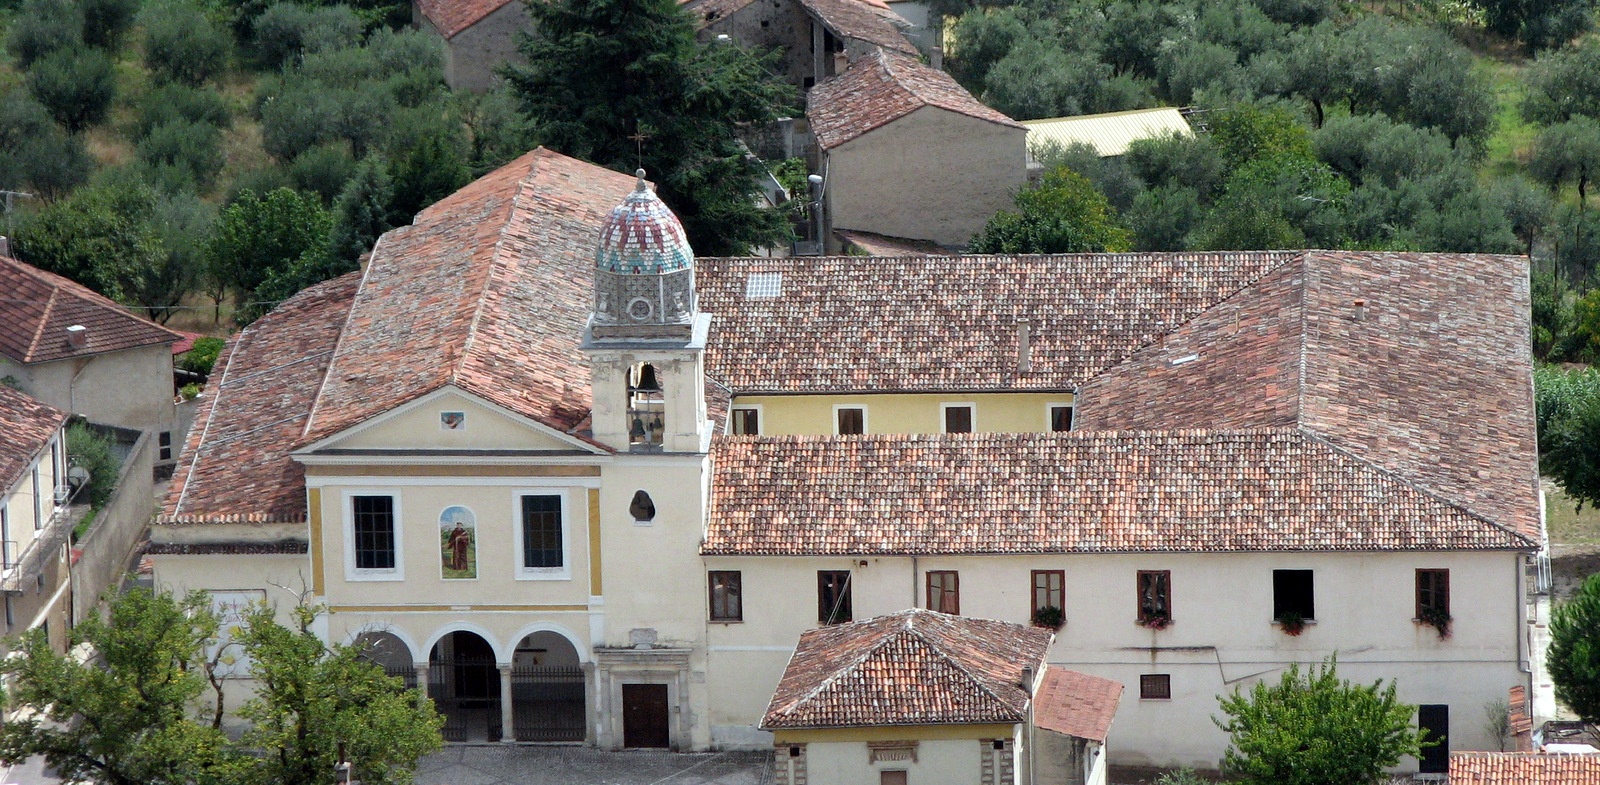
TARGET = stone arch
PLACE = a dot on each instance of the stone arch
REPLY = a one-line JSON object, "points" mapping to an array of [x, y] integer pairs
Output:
{"points": [[418, 654], [541, 626], [502, 656]]}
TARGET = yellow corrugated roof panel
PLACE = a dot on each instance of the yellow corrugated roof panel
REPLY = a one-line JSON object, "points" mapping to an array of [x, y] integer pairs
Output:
{"points": [[1111, 133]]}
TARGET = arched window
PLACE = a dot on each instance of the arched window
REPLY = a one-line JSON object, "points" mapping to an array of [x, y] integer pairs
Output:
{"points": [[642, 508], [646, 407]]}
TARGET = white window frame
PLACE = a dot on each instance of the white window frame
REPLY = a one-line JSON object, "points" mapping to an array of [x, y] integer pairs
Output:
{"points": [[761, 418], [866, 424], [38, 500], [947, 406], [522, 573], [1049, 416], [348, 512]]}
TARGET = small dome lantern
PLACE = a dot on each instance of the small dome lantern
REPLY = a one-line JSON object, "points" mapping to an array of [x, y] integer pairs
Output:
{"points": [[644, 267]]}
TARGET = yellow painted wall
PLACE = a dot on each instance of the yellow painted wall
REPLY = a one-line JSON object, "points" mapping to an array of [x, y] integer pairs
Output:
{"points": [[794, 415], [486, 428]]}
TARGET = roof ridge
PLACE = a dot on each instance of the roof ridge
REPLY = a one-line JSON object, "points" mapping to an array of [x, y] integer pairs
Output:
{"points": [[1300, 360], [454, 377], [843, 668], [1409, 482], [232, 350], [333, 359], [44, 320], [982, 683]]}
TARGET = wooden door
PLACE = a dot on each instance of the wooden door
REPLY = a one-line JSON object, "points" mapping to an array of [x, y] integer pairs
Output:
{"points": [[645, 715], [1435, 719]]}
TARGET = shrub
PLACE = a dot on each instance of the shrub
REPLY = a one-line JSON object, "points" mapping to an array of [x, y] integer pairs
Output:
{"points": [[182, 44], [172, 102], [286, 32], [203, 356], [105, 21], [91, 451], [322, 170], [195, 148], [76, 87]]}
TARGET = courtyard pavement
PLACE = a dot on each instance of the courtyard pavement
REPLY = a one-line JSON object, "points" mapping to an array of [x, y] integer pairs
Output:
{"points": [[494, 764]]}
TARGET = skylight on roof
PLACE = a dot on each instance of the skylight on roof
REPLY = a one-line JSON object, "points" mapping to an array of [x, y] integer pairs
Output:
{"points": [[763, 286]]}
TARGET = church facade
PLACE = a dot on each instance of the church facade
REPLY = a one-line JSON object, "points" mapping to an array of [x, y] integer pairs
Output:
{"points": [[583, 487]]}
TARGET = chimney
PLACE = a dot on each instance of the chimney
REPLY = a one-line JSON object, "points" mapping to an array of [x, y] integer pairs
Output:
{"points": [[1360, 312], [77, 336], [1027, 678], [5, 245], [841, 62], [1024, 350], [936, 58]]}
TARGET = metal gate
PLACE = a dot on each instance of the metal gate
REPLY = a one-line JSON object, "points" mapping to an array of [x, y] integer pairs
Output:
{"points": [[467, 692], [548, 703]]}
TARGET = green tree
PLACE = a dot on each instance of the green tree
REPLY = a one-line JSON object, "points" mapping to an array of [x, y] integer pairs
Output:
{"points": [[313, 698], [35, 152], [433, 167], [624, 83], [91, 450], [361, 213], [44, 26], [1062, 214], [256, 236], [75, 86], [1527, 206], [1564, 84], [182, 44], [1313, 728], [287, 32], [1247, 132], [202, 357], [195, 148], [125, 717], [1568, 153], [1539, 23], [97, 237], [1567, 409], [1574, 654], [183, 224], [106, 21], [178, 102]]}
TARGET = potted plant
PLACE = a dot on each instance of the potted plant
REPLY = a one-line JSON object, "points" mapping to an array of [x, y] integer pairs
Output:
{"points": [[1437, 618], [1049, 617], [1293, 623], [1155, 621]]}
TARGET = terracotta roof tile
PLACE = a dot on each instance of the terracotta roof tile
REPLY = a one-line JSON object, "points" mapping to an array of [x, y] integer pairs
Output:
{"points": [[27, 426], [450, 17], [1078, 492], [488, 290], [1523, 768], [869, 21], [882, 88], [950, 322], [39, 307], [1076, 704], [283, 547], [1432, 382], [235, 466], [915, 667]]}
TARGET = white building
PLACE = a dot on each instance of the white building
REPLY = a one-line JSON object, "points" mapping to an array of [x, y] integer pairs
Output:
{"points": [[600, 495], [34, 579]]}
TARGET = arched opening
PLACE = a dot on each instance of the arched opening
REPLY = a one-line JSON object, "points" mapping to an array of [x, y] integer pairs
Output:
{"points": [[643, 508], [465, 686], [647, 407], [547, 689], [387, 651]]}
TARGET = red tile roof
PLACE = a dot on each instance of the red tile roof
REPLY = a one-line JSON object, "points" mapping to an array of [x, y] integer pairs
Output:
{"points": [[28, 426], [885, 87], [235, 466], [889, 324], [1431, 382], [450, 17], [869, 21], [1279, 489], [1523, 768], [915, 667], [488, 290], [38, 307], [1076, 704]]}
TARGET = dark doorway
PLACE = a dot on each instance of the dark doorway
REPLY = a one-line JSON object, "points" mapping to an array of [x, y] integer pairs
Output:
{"points": [[644, 715], [464, 682], [1435, 719]]}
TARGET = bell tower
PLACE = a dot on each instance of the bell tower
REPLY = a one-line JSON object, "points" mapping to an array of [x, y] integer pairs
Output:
{"points": [[646, 337]]}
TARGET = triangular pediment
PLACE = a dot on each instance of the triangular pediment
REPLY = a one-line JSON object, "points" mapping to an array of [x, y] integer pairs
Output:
{"points": [[449, 420]]}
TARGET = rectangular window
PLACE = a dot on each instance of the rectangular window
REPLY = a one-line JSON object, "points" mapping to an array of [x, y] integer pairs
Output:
{"points": [[746, 421], [1060, 417], [850, 420], [165, 442], [1433, 593], [892, 777], [1155, 687], [1155, 595], [1292, 594], [727, 602], [373, 518], [1048, 591], [833, 596], [541, 533], [957, 418], [944, 591]]}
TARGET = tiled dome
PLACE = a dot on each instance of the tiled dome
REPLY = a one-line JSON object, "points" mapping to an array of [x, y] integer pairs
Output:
{"points": [[642, 236]]}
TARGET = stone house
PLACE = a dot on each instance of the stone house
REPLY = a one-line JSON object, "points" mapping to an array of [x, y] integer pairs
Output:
{"points": [[906, 152], [76, 350], [818, 38], [585, 487], [34, 576], [479, 36]]}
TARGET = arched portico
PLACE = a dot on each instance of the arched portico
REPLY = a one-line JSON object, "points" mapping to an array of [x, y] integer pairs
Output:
{"points": [[464, 683], [548, 687], [390, 650]]}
